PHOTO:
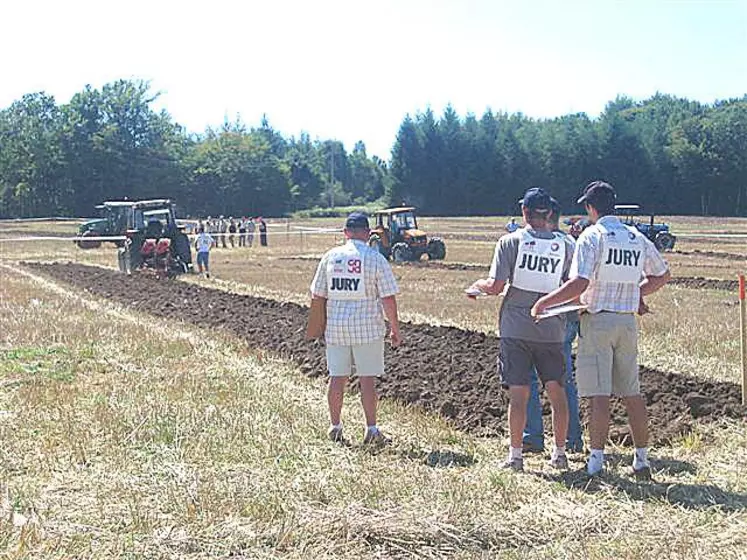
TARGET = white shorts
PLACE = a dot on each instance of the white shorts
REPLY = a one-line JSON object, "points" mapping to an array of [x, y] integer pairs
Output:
{"points": [[367, 358]]}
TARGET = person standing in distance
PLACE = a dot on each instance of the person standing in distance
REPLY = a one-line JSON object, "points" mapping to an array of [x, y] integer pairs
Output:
{"points": [[262, 232], [534, 262], [614, 267], [359, 288], [203, 244]]}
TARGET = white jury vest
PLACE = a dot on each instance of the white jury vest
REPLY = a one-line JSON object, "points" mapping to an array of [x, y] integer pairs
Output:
{"points": [[539, 263], [345, 275], [623, 251]]}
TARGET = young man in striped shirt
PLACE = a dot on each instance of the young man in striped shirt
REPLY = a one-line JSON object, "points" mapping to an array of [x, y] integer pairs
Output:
{"points": [[613, 267]]}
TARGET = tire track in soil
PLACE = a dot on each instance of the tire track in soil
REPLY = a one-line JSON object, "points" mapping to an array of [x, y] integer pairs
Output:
{"points": [[714, 254], [705, 283], [445, 370], [696, 282]]}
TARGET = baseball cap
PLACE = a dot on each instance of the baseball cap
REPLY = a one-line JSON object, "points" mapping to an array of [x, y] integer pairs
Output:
{"points": [[555, 206], [357, 220], [598, 194], [537, 199]]}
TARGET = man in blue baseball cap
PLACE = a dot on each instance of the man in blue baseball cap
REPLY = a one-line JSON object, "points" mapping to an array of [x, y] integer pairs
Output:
{"points": [[533, 262], [358, 288]]}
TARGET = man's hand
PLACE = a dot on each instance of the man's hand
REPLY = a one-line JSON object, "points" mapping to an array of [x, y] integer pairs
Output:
{"points": [[475, 289], [395, 338], [538, 308], [486, 286], [642, 307], [478, 286]]}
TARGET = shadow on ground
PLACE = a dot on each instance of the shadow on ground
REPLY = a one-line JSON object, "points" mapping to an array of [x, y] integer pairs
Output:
{"points": [[439, 458], [688, 496]]}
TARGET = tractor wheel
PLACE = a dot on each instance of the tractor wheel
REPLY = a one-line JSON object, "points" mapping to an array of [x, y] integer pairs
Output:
{"points": [[664, 241], [436, 249], [375, 243], [84, 244], [401, 252]]}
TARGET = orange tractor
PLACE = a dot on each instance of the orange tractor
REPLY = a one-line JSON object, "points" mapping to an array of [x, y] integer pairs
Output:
{"points": [[396, 235]]}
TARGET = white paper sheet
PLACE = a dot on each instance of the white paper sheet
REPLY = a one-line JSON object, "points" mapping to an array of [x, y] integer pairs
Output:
{"points": [[559, 310]]}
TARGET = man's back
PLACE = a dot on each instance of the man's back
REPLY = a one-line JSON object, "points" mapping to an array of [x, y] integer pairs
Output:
{"points": [[354, 318]]}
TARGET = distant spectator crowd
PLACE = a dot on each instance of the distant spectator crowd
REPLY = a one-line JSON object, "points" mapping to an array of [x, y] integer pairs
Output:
{"points": [[232, 232]]}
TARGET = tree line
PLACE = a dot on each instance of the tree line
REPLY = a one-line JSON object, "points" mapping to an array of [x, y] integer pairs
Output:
{"points": [[671, 155], [110, 144]]}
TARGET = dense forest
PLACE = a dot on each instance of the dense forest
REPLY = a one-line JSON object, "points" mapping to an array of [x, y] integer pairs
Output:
{"points": [[672, 155]]}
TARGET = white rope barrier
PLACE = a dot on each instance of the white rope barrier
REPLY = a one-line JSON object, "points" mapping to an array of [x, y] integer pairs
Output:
{"points": [[307, 231]]}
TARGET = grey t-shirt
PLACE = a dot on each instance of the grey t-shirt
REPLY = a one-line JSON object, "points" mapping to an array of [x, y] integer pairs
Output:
{"points": [[515, 320]]}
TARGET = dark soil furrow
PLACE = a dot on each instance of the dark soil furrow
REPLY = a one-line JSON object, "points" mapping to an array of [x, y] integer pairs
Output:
{"points": [[707, 283], [445, 370], [714, 254]]}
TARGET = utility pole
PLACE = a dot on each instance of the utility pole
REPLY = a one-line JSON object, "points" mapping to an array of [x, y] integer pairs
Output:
{"points": [[332, 175]]}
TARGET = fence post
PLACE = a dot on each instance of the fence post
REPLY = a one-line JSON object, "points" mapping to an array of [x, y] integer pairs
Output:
{"points": [[743, 336]]}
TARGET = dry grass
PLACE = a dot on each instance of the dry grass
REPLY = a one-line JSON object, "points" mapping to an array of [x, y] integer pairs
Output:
{"points": [[124, 437]]}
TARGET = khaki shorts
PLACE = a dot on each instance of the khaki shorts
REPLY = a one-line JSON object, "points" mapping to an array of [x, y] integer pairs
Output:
{"points": [[368, 360], [607, 359]]}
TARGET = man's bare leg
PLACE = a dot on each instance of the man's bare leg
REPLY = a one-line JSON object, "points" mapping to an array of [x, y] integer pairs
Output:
{"points": [[559, 405], [335, 397], [369, 399]]}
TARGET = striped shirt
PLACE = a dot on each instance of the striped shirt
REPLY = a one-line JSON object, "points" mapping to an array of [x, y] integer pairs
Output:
{"points": [[353, 322], [610, 296]]}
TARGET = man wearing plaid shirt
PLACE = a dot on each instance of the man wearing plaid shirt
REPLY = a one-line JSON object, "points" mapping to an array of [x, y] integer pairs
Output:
{"points": [[614, 267], [359, 288]]}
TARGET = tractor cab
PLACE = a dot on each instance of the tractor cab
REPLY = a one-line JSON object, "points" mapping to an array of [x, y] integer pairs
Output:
{"points": [[154, 239], [112, 222], [631, 215], [396, 234]]}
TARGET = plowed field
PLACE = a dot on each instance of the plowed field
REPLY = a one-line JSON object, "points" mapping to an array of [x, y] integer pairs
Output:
{"points": [[444, 370]]}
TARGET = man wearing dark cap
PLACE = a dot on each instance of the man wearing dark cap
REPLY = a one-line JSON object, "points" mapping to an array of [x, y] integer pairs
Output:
{"points": [[534, 262], [359, 289], [614, 266], [534, 436]]}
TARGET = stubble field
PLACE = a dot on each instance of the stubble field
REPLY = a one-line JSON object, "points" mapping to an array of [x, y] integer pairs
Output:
{"points": [[144, 419]]}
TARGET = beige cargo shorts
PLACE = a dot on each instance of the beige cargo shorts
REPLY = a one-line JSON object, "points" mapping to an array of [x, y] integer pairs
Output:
{"points": [[607, 358]]}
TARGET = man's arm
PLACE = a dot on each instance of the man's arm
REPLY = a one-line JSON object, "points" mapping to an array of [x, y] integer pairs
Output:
{"points": [[581, 269], [499, 270], [656, 270], [489, 286], [570, 291], [390, 310], [652, 283]]}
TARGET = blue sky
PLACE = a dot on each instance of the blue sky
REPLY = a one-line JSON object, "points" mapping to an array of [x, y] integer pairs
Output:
{"points": [[352, 69]]}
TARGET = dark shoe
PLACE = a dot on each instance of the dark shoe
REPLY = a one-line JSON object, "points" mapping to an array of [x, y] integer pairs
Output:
{"points": [[375, 438], [643, 474], [335, 434], [514, 465], [560, 462], [531, 447]]}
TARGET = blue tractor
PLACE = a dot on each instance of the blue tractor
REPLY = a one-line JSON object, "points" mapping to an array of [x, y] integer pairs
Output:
{"points": [[658, 233]]}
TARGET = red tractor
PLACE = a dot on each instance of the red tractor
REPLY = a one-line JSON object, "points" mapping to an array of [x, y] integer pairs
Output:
{"points": [[154, 241]]}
